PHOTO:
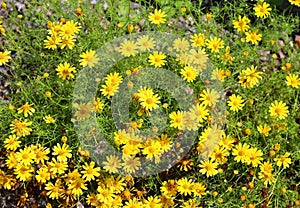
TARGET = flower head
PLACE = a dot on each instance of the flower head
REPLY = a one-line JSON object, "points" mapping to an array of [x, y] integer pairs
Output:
{"points": [[157, 17]]}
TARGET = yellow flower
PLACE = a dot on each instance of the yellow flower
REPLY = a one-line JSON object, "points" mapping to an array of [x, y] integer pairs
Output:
{"points": [[4, 57], [198, 40], [235, 102], [128, 48], [176, 119], [262, 10], [112, 165], [108, 90], [83, 111], [253, 37], [157, 17], [89, 173], [292, 80], [12, 143], [57, 166], [145, 43], [69, 29], [152, 202], [98, 105], [131, 164], [49, 119], [25, 156], [241, 152], [295, 2], [67, 43], [52, 42], [54, 191], [198, 189], [181, 45], [24, 172], [209, 97], [249, 77], [264, 129], [157, 59], [184, 186], [254, 157], [215, 44], [88, 58], [65, 71], [283, 160], [208, 167], [27, 109], [42, 175], [77, 185], [241, 24], [21, 127], [152, 150], [63, 152], [113, 79], [41, 154], [278, 110], [188, 73], [266, 177]]}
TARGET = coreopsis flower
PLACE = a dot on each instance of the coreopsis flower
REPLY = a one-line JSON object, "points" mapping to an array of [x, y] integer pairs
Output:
{"points": [[241, 152], [26, 109], [176, 119], [131, 164], [198, 189], [57, 166], [62, 152], [21, 128], [108, 90], [158, 17], [235, 102], [264, 129], [283, 160], [69, 29], [157, 59], [148, 99], [112, 164], [49, 119], [54, 191], [181, 45], [215, 44], [198, 40], [278, 110], [24, 172], [254, 157], [241, 24], [208, 167], [145, 43], [128, 48], [293, 80], [65, 71], [209, 97], [262, 10], [43, 175], [184, 186], [295, 2], [188, 73], [152, 150], [25, 156], [12, 142], [52, 42], [253, 37], [88, 58], [4, 57], [90, 172], [249, 77]]}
